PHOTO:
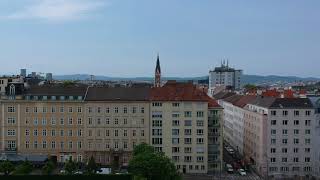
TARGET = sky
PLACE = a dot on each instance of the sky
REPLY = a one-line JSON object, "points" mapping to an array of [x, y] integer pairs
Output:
{"points": [[121, 38]]}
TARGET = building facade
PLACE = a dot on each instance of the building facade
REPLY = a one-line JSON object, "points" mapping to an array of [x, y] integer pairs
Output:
{"points": [[106, 123], [225, 76]]}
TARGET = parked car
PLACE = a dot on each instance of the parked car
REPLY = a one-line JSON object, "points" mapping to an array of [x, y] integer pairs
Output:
{"points": [[229, 168], [242, 172], [78, 172], [104, 171]]}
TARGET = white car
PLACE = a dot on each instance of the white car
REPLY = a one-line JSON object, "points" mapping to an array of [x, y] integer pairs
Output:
{"points": [[242, 172]]}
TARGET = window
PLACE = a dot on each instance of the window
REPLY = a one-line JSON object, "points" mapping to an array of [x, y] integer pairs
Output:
{"points": [[11, 132], [175, 123], [273, 132], [284, 141], [284, 113], [187, 140], [157, 141], [157, 104], [142, 133], [44, 144], [44, 121], [53, 132], [27, 109], [307, 150], [134, 110], [187, 150], [273, 160], [200, 123], [284, 159], [296, 122], [44, 109], [98, 121], [116, 110], [53, 109], [188, 123], [273, 141], [61, 121], [70, 133], [284, 169], [53, 145], [27, 132], [307, 141], [296, 159], [284, 122], [44, 132], [79, 132], [125, 121], [200, 113], [11, 120], [61, 109], [307, 131], [273, 122], [187, 158], [125, 132], [284, 150], [35, 121], [98, 109], [273, 150], [133, 132], [175, 132], [308, 113], [11, 109], [273, 113], [107, 132], [61, 133], [125, 110], [285, 131], [107, 121], [296, 113], [187, 114], [308, 122], [307, 169], [142, 110], [79, 121], [107, 110], [199, 131], [296, 141], [79, 109], [175, 149], [27, 144], [116, 121], [296, 131], [176, 115], [187, 132], [200, 140], [90, 121], [199, 158], [295, 150], [175, 104], [35, 132], [307, 159], [116, 132], [35, 109], [53, 121]]}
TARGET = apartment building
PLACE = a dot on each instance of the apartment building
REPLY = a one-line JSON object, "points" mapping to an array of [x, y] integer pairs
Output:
{"points": [[79, 122], [117, 119], [44, 121], [284, 128], [179, 127]]}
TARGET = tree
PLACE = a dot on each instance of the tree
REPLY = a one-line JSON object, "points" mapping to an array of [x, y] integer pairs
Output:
{"points": [[250, 87], [70, 166], [91, 167], [152, 165], [6, 167], [48, 167], [24, 168]]}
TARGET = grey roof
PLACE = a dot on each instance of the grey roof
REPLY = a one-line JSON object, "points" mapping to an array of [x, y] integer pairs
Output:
{"points": [[263, 101], [223, 95], [292, 103], [282, 103], [118, 94], [57, 90]]}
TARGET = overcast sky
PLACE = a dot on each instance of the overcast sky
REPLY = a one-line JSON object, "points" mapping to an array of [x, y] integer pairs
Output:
{"points": [[123, 37]]}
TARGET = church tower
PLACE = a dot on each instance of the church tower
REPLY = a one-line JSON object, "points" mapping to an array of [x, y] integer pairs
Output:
{"points": [[157, 78]]}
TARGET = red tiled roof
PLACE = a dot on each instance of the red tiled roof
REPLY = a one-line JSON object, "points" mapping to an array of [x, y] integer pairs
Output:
{"points": [[271, 93], [173, 91]]}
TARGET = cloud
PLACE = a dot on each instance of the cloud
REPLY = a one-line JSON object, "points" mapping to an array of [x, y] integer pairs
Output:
{"points": [[58, 10]]}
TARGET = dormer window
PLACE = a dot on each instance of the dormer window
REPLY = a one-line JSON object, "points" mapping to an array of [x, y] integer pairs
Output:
{"points": [[44, 98], [79, 98], [35, 97], [70, 97], [53, 97], [62, 98]]}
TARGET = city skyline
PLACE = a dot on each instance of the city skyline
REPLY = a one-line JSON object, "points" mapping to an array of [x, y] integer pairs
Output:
{"points": [[122, 38]]}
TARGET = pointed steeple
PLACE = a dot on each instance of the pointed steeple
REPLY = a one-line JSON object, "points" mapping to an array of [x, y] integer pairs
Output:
{"points": [[158, 68], [157, 78]]}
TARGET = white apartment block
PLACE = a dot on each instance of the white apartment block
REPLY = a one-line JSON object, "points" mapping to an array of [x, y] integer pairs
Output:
{"points": [[225, 76]]}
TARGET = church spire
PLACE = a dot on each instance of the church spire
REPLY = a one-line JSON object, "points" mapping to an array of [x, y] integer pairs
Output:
{"points": [[157, 79]]}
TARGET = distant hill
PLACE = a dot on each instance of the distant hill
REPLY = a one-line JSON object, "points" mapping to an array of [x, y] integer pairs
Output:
{"points": [[253, 79]]}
